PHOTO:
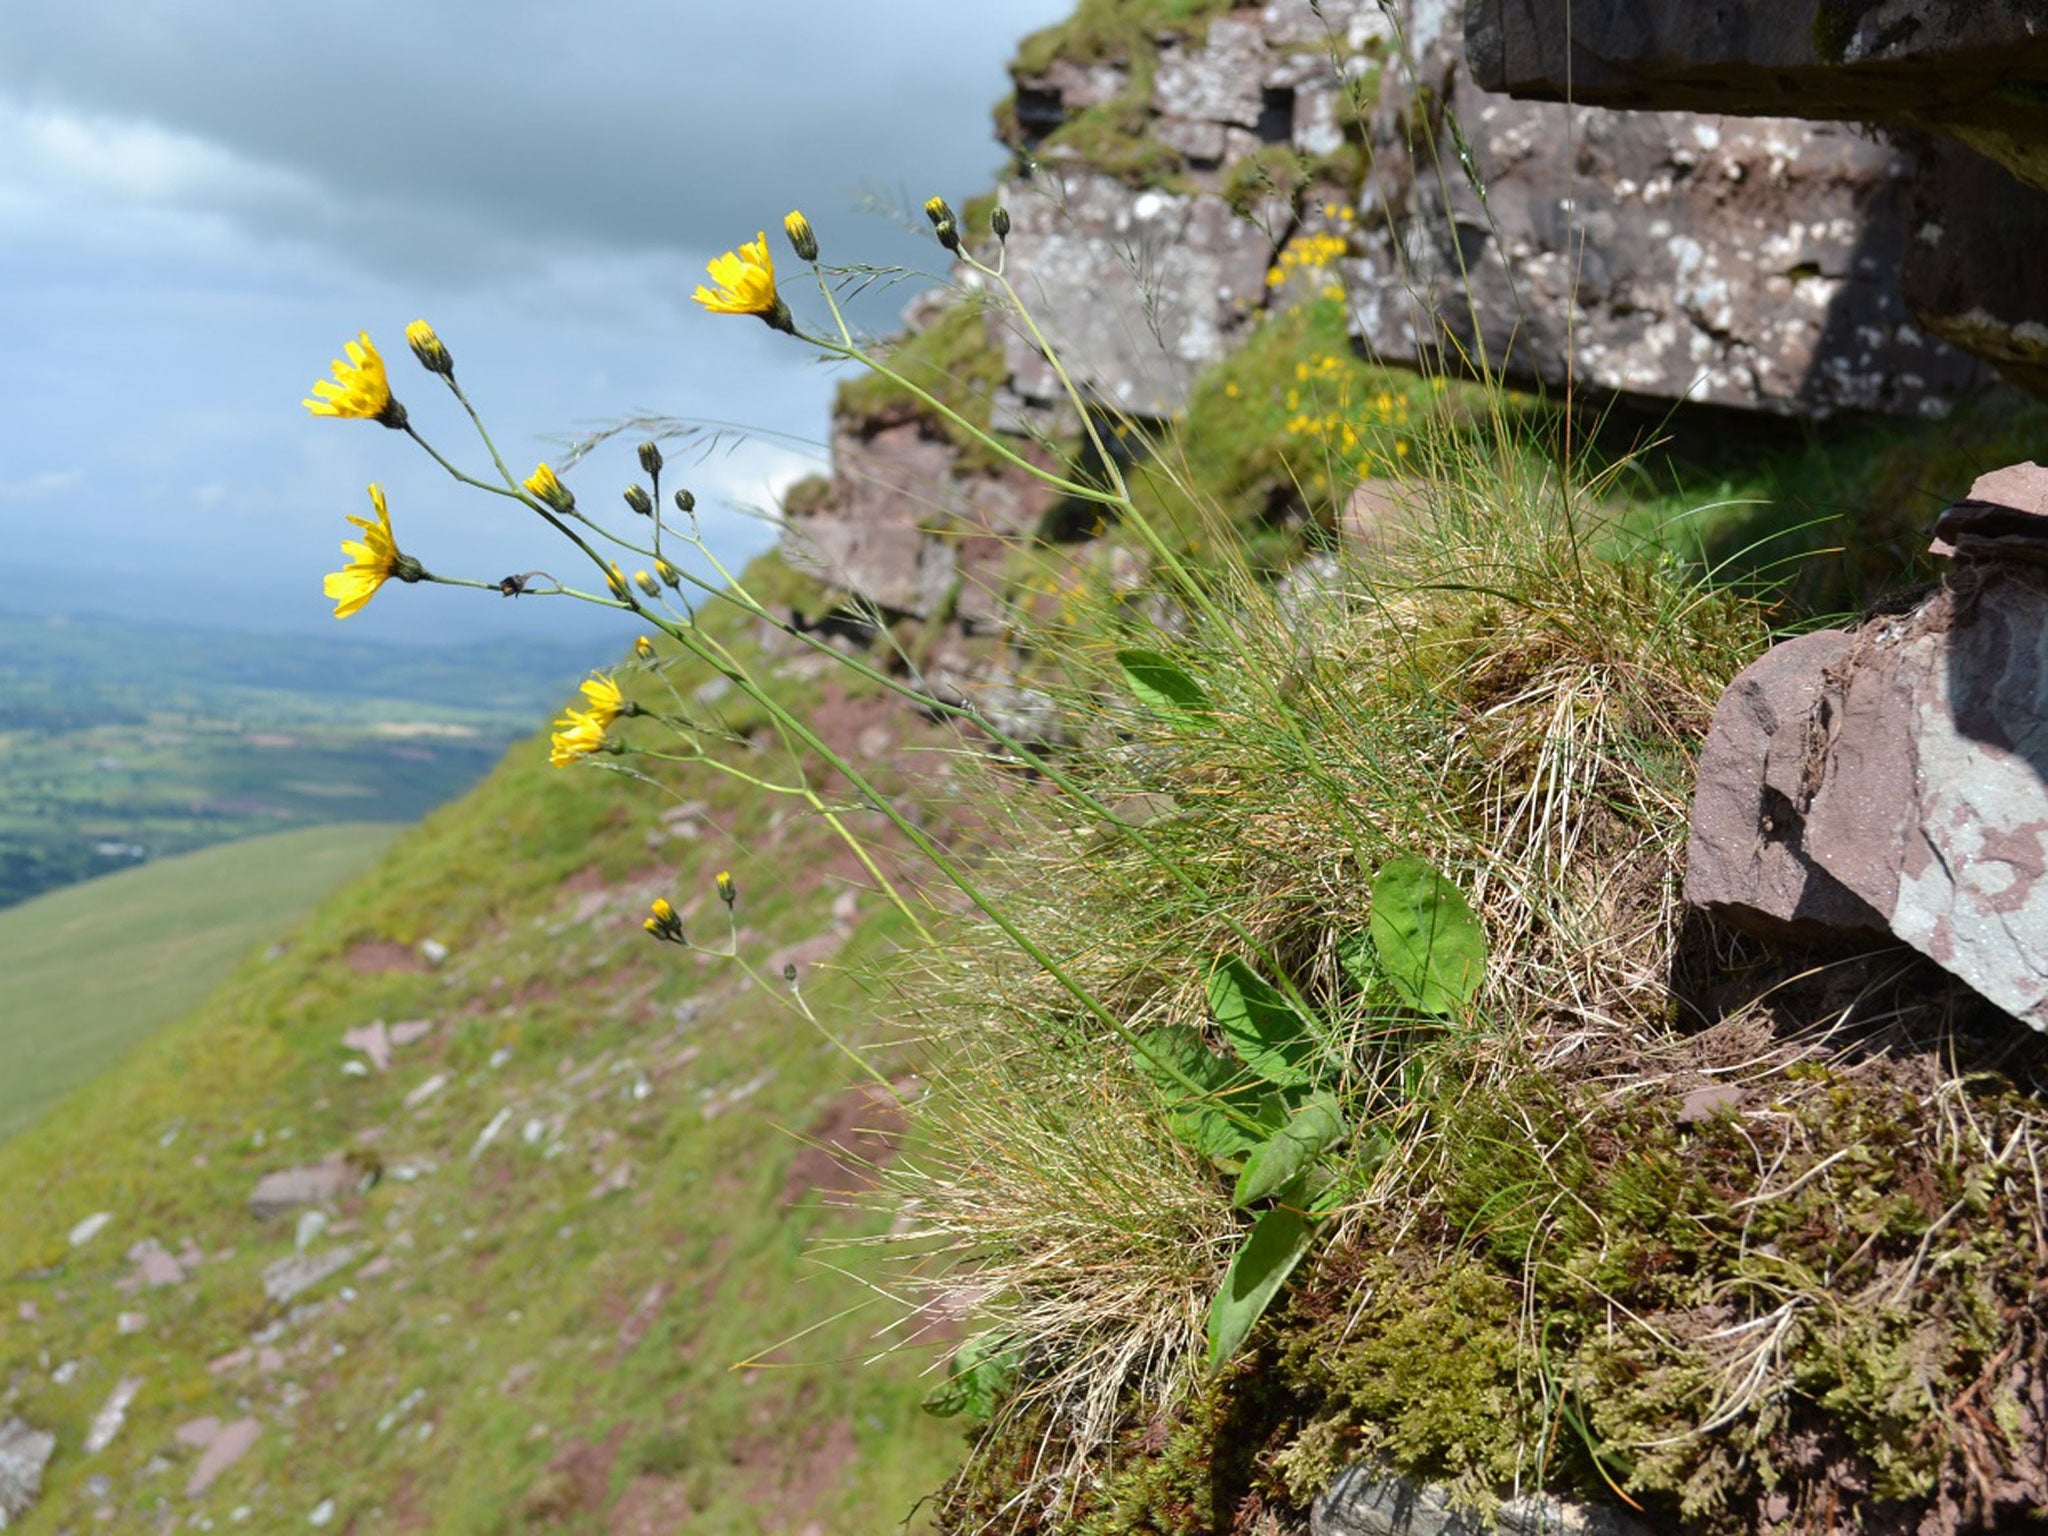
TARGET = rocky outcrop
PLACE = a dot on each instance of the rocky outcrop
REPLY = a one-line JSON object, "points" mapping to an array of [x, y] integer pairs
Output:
{"points": [[1896, 777], [1963, 85], [1973, 69], [1752, 263]]}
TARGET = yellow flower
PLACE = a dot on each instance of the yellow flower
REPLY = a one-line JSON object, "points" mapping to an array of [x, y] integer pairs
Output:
{"points": [[662, 921], [372, 562], [360, 389], [802, 238], [616, 580], [727, 892], [746, 285], [577, 735], [607, 703], [545, 487], [643, 648]]}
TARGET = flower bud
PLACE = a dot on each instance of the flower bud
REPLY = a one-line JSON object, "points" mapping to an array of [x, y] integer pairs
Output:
{"points": [[727, 891], [999, 221], [802, 238], [685, 502], [650, 458], [663, 923], [944, 225], [647, 584], [545, 487], [643, 648], [638, 499], [615, 579], [668, 573], [429, 349]]}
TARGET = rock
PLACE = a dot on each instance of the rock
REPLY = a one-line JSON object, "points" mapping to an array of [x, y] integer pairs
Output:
{"points": [[292, 1276], [199, 1433], [410, 1031], [1138, 290], [1747, 861], [1907, 764], [129, 1322], [106, 1424], [426, 1090], [321, 1513], [433, 951], [310, 1225], [90, 1228], [1708, 1103], [1937, 74], [1741, 262], [155, 1266], [24, 1452], [228, 1446], [309, 1184], [1367, 1501], [374, 1041], [1931, 64]]}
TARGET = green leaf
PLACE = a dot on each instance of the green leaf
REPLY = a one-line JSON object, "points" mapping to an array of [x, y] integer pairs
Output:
{"points": [[1199, 1121], [1277, 1241], [1271, 1037], [1161, 685], [980, 1372], [1355, 954], [1310, 1132], [1431, 945]]}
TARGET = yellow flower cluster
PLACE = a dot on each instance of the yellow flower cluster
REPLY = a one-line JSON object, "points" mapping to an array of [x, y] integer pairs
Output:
{"points": [[1326, 420], [1312, 258], [580, 732]]}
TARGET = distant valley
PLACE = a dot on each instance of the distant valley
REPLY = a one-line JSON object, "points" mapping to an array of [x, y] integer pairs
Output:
{"points": [[122, 743]]}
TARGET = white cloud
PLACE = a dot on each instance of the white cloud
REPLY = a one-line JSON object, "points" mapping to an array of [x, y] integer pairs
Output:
{"points": [[41, 487]]}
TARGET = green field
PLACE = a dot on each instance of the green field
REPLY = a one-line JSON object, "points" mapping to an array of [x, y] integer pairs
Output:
{"points": [[90, 970]]}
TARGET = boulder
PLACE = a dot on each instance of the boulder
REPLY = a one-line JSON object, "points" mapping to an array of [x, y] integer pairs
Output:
{"points": [[1740, 262], [1896, 777], [24, 1452]]}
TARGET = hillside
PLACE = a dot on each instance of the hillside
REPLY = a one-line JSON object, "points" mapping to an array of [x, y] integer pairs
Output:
{"points": [[556, 1275], [94, 968]]}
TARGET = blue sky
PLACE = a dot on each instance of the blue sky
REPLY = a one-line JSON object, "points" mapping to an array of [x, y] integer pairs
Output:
{"points": [[201, 200]]}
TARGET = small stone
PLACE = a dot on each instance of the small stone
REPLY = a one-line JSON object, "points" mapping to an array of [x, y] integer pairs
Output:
{"points": [[433, 951], [228, 1446], [294, 1276], [321, 1513], [199, 1433], [309, 1184], [130, 1322], [411, 1031], [1709, 1102], [90, 1228], [106, 1424], [66, 1372], [311, 1225], [24, 1452], [155, 1266], [426, 1090], [374, 1041]]}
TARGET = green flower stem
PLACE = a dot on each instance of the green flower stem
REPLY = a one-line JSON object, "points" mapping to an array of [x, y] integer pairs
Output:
{"points": [[740, 678]]}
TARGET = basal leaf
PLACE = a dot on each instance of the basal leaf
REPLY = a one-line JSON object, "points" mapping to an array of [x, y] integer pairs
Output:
{"points": [[1199, 1121], [1430, 943], [1275, 1245], [1161, 685], [1355, 954], [1272, 1038], [980, 1372], [1309, 1132]]}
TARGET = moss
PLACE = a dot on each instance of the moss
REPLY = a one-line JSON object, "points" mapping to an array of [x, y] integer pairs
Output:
{"points": [[806, 496], [1114, 29]]}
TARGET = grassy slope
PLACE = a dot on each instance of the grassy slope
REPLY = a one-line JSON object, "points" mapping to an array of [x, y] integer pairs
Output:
{"points": [[95, 968], [539, 1332]]}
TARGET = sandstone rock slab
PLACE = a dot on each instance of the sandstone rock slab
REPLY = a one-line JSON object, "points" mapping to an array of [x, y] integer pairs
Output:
{"points": [[226, 1447], [1895, 777], [1746, 262]]}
